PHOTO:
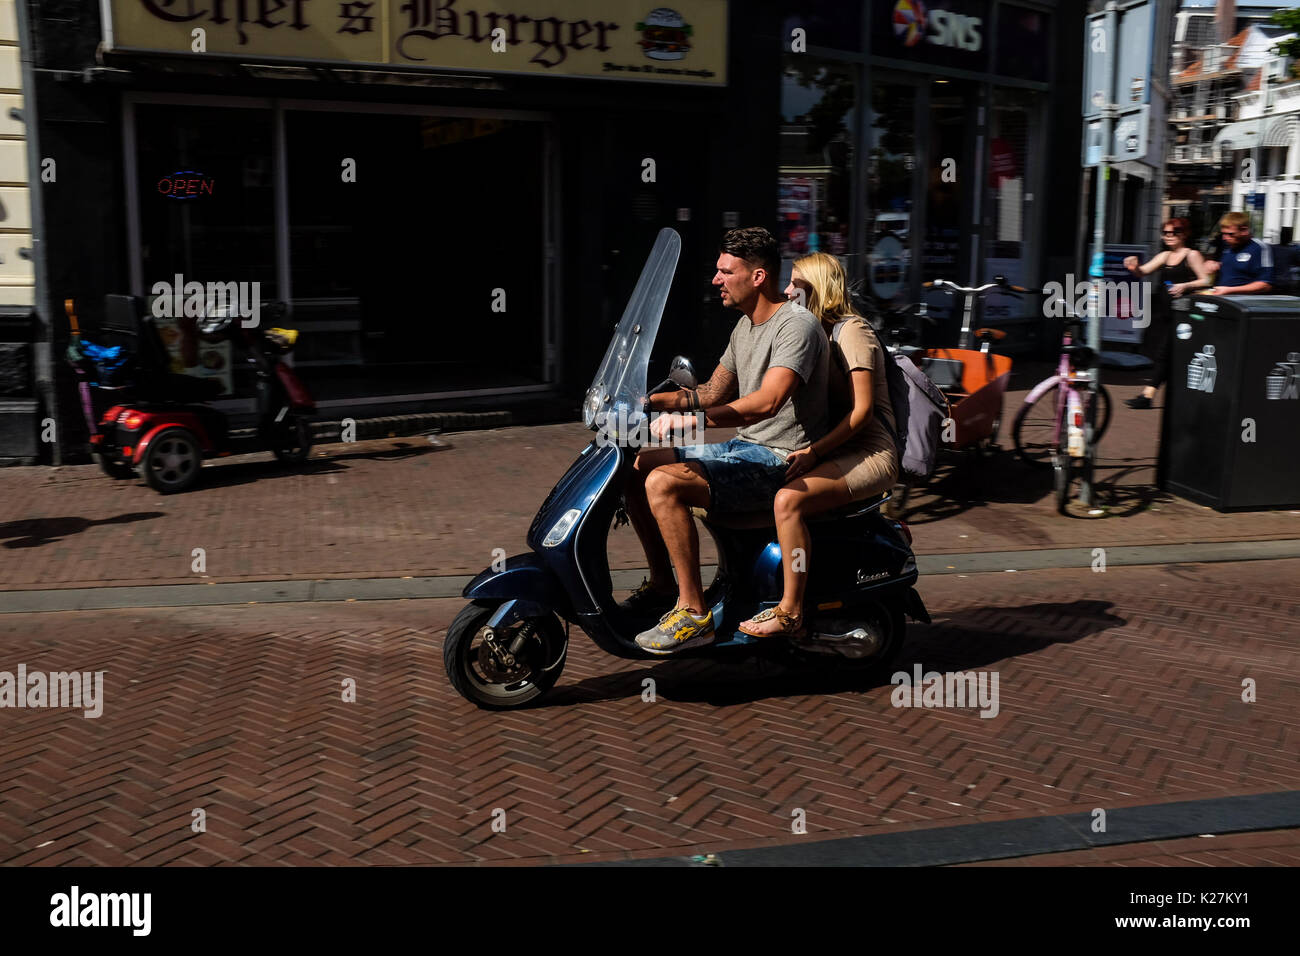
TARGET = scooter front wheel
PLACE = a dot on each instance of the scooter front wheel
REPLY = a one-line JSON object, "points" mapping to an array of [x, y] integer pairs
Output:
{"points": [[505, 668]]}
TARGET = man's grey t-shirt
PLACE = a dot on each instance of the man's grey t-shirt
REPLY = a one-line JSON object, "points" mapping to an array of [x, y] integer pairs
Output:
{"points": [[792, 338]]}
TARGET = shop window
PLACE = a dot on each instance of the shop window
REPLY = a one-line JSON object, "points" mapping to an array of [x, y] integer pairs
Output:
{"points": [[816, 157], [206, 195], [206, 214], [890, 169], [1024, 42], [400, 266]]}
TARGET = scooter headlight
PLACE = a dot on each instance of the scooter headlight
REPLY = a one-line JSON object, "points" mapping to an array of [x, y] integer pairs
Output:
{"points": [[591, 407], [562, 528]]}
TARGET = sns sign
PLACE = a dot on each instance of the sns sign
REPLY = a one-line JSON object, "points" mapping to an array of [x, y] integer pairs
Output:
{"points": [[913, 22]]}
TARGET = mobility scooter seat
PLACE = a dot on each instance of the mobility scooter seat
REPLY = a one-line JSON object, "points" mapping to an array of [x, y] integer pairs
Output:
{"points": [[764, 519]]}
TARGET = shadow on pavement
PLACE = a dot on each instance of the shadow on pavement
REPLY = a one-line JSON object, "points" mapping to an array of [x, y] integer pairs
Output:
{"points": [[965, 640], [230, 473], [34, 532]]}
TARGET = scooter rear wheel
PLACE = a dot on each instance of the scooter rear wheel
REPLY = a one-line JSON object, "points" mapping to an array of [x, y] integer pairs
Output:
{"points": [[477, 670], [115, 469], [295, 442], [885, 618]]}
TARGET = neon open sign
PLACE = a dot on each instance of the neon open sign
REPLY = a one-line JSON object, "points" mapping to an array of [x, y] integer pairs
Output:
{"points": [[186, 184]]}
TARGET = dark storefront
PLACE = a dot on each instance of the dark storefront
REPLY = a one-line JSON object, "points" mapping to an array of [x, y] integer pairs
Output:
{"points": [[449, 224], [935, 140], [452, 225]]}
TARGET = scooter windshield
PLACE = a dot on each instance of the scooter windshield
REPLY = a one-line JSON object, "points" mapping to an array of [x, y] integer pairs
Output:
{"points": [[614, 401]]}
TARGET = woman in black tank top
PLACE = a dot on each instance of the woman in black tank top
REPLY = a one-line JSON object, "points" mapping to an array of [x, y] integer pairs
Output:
{"points": [[1178, 269]]}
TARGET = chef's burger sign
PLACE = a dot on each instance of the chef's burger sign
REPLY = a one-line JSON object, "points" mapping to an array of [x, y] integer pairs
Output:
{"points": [[616, 39]]}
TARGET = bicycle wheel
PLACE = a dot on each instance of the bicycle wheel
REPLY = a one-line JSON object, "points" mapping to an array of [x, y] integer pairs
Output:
{"points": [[1034, 428], [1103, 412]]}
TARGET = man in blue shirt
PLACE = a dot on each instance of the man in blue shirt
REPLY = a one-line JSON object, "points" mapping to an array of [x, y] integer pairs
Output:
{"points": [[1247, 263]]}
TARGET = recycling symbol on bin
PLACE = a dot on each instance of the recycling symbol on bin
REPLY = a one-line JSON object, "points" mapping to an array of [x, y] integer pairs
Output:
{"points": [[1284, 379], [1202, 370]]}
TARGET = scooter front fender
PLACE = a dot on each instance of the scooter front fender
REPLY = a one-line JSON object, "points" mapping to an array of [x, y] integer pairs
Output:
{"points": [[524, 578]]}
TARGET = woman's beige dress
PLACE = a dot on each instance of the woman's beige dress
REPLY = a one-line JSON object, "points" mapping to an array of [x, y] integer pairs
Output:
{"points": [[868, 460]]}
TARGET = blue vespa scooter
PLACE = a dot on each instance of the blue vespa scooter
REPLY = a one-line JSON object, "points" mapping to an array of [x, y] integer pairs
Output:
{"points": [[506, 649]]}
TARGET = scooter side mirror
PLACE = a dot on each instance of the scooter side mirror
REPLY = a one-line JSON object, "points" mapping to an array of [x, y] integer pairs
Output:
{"points": [[681, 372]]}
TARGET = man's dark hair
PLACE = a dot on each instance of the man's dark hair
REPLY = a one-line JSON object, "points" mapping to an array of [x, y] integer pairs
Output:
{"points": [[756, 246]]}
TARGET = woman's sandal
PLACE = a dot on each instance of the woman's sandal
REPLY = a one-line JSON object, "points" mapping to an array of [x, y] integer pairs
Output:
{"points": [[791, 624]]}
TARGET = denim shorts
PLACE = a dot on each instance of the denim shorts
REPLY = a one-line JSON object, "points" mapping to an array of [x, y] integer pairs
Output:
{"points": [[743, 476]]}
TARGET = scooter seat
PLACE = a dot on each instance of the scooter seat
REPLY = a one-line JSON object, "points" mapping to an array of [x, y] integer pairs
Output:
{"points": [[764, 519]]}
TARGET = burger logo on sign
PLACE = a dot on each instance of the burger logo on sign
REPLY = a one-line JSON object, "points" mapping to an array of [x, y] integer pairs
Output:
{"points": [[665, 34]]}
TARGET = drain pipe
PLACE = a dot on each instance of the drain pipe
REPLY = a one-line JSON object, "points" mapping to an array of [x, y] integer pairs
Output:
{"points": [[43, 349]]}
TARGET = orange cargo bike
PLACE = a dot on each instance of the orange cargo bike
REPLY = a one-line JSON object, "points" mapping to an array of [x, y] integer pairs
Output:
{"points": [[973, 380]]}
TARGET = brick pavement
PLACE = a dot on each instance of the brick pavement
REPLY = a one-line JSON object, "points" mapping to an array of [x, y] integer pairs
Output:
{"points": [[403, 507], [1117, 689]]}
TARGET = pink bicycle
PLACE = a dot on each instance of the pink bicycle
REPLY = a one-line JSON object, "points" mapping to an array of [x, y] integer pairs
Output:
{"points": [[1049, 428]]}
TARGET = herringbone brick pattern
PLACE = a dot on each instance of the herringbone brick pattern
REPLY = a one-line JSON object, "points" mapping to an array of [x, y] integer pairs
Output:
{"points": [[1117, 689], [403, 507]]}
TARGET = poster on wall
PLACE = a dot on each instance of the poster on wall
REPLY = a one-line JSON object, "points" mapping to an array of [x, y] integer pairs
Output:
{"points": [[1123, 295], [190, 355], [797, 208]]}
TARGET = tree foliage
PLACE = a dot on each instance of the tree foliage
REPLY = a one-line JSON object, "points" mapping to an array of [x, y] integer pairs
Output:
{"points": [[1290, 19]]}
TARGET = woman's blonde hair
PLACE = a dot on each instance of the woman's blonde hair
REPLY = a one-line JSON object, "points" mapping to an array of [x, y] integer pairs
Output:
{"points": [[828, 295]]}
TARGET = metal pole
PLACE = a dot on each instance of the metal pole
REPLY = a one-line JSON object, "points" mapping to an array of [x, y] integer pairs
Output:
{"points": [[1108, 113], [44, 348], [1257, 173]]}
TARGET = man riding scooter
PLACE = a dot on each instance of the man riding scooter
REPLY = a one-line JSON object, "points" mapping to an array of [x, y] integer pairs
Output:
{"points": [[771, 382], [508, 645]]}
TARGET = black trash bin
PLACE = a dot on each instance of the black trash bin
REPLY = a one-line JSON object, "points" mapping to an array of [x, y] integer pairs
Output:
{"points": [[1231, 432]]}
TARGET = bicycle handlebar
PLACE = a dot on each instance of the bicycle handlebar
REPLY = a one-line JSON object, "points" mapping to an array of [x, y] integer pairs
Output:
{"points": [[999, 284]]}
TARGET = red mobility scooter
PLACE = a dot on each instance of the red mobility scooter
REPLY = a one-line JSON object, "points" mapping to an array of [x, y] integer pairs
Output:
{"points": [[159, 422]]}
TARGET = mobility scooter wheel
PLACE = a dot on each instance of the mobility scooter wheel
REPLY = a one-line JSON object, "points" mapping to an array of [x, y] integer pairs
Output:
{"points": [[115, 469], [173, 461], [510, 668], [295, 442]]}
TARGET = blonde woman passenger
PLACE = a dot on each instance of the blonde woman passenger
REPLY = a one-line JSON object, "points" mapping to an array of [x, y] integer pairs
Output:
{"points": [[856, 459]]}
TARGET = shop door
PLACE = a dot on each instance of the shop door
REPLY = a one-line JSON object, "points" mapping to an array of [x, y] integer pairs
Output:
{"points": [[1009, 248]]}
